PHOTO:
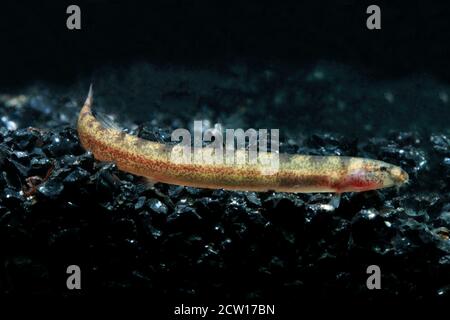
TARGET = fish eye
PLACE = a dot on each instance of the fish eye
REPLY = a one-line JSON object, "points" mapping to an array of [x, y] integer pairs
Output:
{"points": [[383, 168]]}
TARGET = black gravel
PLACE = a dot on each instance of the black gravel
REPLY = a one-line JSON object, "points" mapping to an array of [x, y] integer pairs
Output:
{"points": [[58, 206]]}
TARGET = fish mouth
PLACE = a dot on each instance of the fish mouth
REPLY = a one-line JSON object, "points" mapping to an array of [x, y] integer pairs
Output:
{"points": [[399, 176]]}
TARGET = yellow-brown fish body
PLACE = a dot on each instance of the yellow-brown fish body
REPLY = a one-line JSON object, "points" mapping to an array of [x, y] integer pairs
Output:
{"points": [[294, 173]]}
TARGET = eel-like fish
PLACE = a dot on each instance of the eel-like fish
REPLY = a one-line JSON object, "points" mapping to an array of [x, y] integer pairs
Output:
{"points": [[295, 173]]}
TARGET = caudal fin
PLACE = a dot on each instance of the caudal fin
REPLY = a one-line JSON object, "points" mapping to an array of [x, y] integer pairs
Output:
{"points": [[90, 96]]}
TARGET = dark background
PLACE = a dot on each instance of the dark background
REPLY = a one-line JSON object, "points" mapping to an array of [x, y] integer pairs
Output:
{"points": [[35, 43]]}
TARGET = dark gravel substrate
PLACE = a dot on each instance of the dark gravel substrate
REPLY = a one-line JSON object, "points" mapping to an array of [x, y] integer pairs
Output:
{"points": [[58, 207]]}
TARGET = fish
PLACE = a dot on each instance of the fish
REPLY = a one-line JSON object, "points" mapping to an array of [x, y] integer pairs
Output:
{"points": [[294, 173]]}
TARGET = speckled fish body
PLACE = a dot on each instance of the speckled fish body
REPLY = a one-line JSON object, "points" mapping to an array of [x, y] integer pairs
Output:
{"points": [[294, 173]]}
